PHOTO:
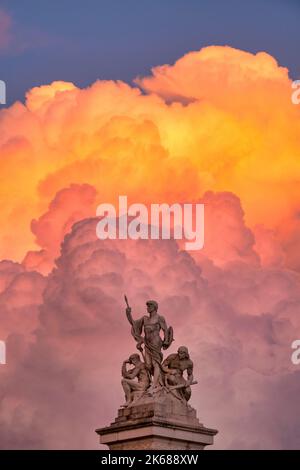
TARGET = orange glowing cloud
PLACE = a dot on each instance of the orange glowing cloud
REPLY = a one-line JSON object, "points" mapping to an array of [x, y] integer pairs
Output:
{"points": [[218, 119]]}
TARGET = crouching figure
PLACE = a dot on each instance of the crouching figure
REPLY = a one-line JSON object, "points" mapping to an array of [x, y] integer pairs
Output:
{"points": [[174, 366], [134, 388]]}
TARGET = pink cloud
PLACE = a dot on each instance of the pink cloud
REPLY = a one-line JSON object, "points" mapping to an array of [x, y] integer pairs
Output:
{"points": [[226, 236], [20, 296], [237, 318], [69, 205]]}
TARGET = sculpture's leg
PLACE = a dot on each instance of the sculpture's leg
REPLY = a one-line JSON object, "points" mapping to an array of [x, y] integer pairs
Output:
{"points": [[187, 392], [148, 362], [171, 379], [127, 390], [157, 379]]}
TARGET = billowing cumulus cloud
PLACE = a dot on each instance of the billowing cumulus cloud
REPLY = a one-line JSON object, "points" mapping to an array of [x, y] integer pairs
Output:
{"points": [[20, 296], [69, 206], [218, 119], [217, 127], [238, 321]]}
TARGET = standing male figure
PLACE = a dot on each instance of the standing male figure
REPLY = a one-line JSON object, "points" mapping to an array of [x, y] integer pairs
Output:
{"points": [[151, 326]]}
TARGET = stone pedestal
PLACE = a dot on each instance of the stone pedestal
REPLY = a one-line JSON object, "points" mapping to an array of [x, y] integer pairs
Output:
{"points": [[159, 422]]}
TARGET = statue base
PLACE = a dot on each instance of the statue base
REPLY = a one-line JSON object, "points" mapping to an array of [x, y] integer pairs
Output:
{"points": [[158, 422]]}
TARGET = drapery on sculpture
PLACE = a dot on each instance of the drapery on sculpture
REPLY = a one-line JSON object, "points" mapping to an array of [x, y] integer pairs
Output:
{"points": [[167, 375]]}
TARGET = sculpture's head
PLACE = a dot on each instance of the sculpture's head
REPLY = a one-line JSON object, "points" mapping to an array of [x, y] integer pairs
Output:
{"points": [[134, 359], [152, 306], [183, 352]]}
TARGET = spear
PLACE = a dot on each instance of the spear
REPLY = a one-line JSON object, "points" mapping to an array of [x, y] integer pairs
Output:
{"points": [[126, 300], [175, 387]]}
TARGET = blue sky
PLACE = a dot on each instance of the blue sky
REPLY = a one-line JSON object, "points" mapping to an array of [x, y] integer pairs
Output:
{"points": [[81, 41]]}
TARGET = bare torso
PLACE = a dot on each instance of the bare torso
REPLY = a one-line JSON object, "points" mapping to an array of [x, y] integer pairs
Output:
{"points": [[180, 365], [152, 329]]}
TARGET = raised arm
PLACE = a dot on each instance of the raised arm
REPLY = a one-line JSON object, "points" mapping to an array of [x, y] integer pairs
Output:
{"points": [[129, 316], [124, 370], [137, 326], [129, 374]]}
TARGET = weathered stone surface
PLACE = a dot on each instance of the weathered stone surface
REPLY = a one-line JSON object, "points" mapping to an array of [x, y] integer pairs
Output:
{"points": [[159, 422], [156, 443], [163, 406]]}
